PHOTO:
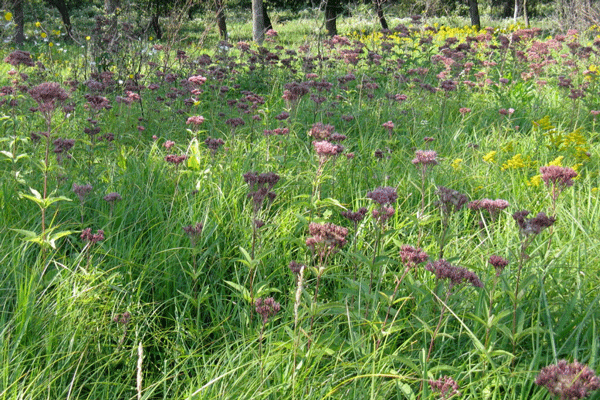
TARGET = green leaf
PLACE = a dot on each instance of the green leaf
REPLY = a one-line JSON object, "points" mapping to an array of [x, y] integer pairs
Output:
{"points": [[245, 294]]}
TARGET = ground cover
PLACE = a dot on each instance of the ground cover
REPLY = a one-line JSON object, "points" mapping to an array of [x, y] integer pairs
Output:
{"points": [[409, 214]]}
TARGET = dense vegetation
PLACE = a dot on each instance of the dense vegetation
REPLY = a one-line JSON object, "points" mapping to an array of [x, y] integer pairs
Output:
{"points": [[410, 214]]}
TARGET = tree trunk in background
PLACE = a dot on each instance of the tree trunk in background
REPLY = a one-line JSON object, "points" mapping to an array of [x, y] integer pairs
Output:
{"points": [[331, 12], [110, 6], [516, 10], [155, 21], [379, 9], [19, 20], [525, 15], [474, 11], [221, 22], [64, 11], [267, 22], [258, 21]]}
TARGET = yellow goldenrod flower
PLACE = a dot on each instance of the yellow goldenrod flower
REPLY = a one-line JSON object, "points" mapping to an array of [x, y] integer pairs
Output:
{"points": [[490, 157], [8, 16], [514, 163], [557, 161], [456, 163], [535, 181]]}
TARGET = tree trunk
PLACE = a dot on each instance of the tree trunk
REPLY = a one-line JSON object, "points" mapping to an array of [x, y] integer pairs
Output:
{"points": [[19, 20], [331, 12], [64, 11], [525, 15], [258, 21], [379, 9], [110, 6], [155, 21], [267, 22], [221, 22], [516, 10], [474, 11]]}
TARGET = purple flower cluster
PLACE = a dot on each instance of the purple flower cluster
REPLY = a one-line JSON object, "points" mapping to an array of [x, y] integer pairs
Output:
{"points": [[445, 386], [498, 263], [320, 131], [532, 226], [260, 187], [559, 178], [87, 236], [213, 144], [112, 197], [82, 191], [412, 256], [329, 236], [456, 275], [492, 206], [568, 381], [450, 200], [194, 232], [175, 159], [47, 94], [97, 103], [19, 57], [383, 195], [266, 308], [295, 267], [425, 157], [327, 149], [355, 216]]}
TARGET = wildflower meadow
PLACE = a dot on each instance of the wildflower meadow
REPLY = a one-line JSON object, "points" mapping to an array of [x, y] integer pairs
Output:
{"points": [[405, 214]]}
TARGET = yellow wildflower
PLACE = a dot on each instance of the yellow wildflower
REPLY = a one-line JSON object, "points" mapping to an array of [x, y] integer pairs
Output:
{"points": [[38, 24], [8, 16], [535, 180], [87, 38], [557, 161], [50, 44], [456, 163], [514, 163], [490, 157], [43, 35], [150, 38]]}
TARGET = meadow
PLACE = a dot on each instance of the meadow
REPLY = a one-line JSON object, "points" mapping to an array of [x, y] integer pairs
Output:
{"points": [[410, 214]]}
